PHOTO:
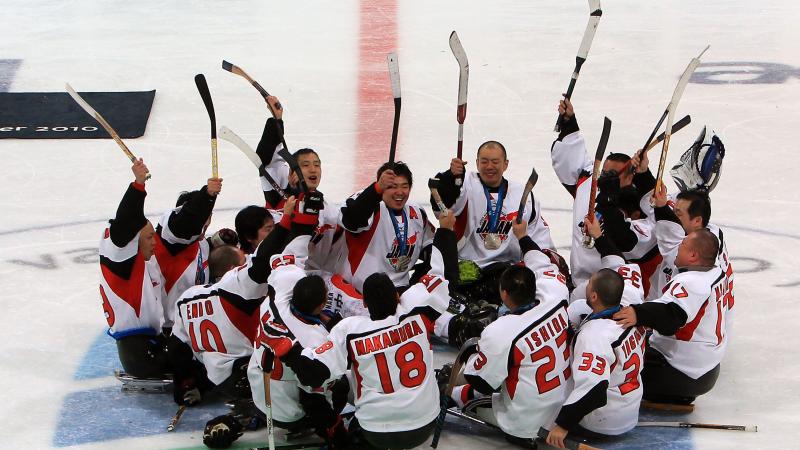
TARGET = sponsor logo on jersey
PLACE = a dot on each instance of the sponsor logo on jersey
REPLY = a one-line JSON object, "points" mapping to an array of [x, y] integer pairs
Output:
{"points": [[504, 223]]}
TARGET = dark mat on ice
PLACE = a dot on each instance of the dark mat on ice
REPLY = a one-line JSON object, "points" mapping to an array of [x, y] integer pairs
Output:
{"points": [[55, 115]]}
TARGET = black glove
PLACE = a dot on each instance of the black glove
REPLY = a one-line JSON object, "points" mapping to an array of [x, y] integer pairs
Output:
{"points": [[608, 188], [470, 322], [313, 203], [220, 432]]}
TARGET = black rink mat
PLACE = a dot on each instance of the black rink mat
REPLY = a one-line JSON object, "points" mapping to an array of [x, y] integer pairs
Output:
{"points": [[54, 115]]}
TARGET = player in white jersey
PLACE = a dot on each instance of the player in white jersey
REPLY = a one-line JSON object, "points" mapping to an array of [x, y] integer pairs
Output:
{"points": [[385, 232], [523, 354], [607, 357], [327, 248], [690, 323], [130, 284], [389, 353], [181, 248], [253, 223], [633, 233], [485, 205]]}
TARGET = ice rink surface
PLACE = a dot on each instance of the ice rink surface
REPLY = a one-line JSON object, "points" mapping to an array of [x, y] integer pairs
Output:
{"points": [[326, 61]]}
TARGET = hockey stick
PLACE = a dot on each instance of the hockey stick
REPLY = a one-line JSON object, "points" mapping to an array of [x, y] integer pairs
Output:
{"points": [[177, 417], [236, 70], [679, 125], [444, 397], [463, 80], [571, 444], [106, 126], [669, 407], [528, 189], [583, 51], [433, 185], [268, 413], [394, 75], [227, 134], [676, 96], [202, 87], [598, 160], [752, 428]]}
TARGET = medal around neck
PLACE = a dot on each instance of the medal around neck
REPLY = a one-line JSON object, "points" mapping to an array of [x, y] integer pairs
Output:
{"points": [[492, 241]]}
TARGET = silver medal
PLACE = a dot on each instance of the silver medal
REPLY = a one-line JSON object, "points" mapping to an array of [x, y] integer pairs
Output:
{"points": [[402, 263], [492, 241]]}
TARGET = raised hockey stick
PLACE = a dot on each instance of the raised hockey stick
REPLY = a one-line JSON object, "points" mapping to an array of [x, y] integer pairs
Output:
{"points": [[463, 80], [673, 103], [583, 51], [202, 87], [227, 134], [268, 413], [679, 125], [394, 76], [433, 185], [176, 418], [106, 126], [528, 189], [238, 71], [752, 428], [598, 160], [444, 397]]}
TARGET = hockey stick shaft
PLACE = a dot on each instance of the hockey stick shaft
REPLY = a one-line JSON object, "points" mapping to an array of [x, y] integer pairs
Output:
{"points": [[711, 426], [395, 127], [205, 94], [463, 85], [394, 77], [679, 125], [598, 160], [176, 418], [268, 411], [227, 134], [102, 121], [236, 70]]}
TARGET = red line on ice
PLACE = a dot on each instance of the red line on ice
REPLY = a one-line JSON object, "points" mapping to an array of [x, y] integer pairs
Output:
{"points": [[377, 38]]}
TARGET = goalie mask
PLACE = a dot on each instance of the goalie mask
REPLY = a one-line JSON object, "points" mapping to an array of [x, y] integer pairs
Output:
{"points": [[700, 166]]}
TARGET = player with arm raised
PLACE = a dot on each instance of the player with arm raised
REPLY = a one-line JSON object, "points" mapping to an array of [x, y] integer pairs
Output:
{"points": [[690, 325], [129, 284], [607, 357], [389, 353]]}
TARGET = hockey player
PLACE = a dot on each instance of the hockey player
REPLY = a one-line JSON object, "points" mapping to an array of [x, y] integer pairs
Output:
{"points": [[485, 207], [130, 284], [385, 233], [524, 354], [327, 244], [181, 249], [607, 357], [253, 224], [633, 232], [389, 353], [691, 324]]}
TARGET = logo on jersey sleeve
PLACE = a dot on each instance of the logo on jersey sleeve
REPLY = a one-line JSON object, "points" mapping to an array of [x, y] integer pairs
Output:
{"points": [[320, 231], [504, 223], [401, 260]]}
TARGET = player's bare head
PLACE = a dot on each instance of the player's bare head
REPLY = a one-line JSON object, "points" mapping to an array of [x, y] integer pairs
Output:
{"points": [[518, 286], [399, 168], [699, 248], [380, 296], [310, 165], [253, 223], [396, 196], [309, 295], [222, 259], [147, 240], [607, 286], [491, 162], [693, 209], [615, 163]]}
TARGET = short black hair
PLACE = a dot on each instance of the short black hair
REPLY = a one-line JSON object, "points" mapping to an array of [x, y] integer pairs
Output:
{"points": [[304, 151], [608, 285], [628, 200], [222, 259], [699, 205], [706, 244], [618, 157], [184, 197], [400, 169], [309, 293], [247, 223], [380, 296], [494, 144], [520, 284]]}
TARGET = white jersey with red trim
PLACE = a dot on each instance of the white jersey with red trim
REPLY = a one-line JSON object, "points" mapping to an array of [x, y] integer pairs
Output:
{"points": [[391, 359], [179, 272], [327, 248], [343, 298], [374, 248], [632, 293], [287, 270], [700, 344], [278, 169], [132, 305], [574, 166], [220, 321], [472, 222]]}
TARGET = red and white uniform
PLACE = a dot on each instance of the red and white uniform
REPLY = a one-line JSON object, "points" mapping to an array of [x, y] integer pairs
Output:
{"points": [[700, 344], [391, 359], [527, 355], [608, 359], [220, 321], [472, 222], [374, 247], [343, 298], [327, 248]]}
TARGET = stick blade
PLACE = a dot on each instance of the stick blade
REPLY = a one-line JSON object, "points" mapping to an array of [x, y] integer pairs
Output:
{"points": [[463, 68], [601, 146], [227, 66]]}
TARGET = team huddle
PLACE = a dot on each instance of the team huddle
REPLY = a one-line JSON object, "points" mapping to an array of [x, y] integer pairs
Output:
{"points": [[332, 304]]}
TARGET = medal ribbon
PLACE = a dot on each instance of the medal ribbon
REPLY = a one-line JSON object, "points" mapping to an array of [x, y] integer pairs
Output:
{"points": [[402, 237], [493, 209]]}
